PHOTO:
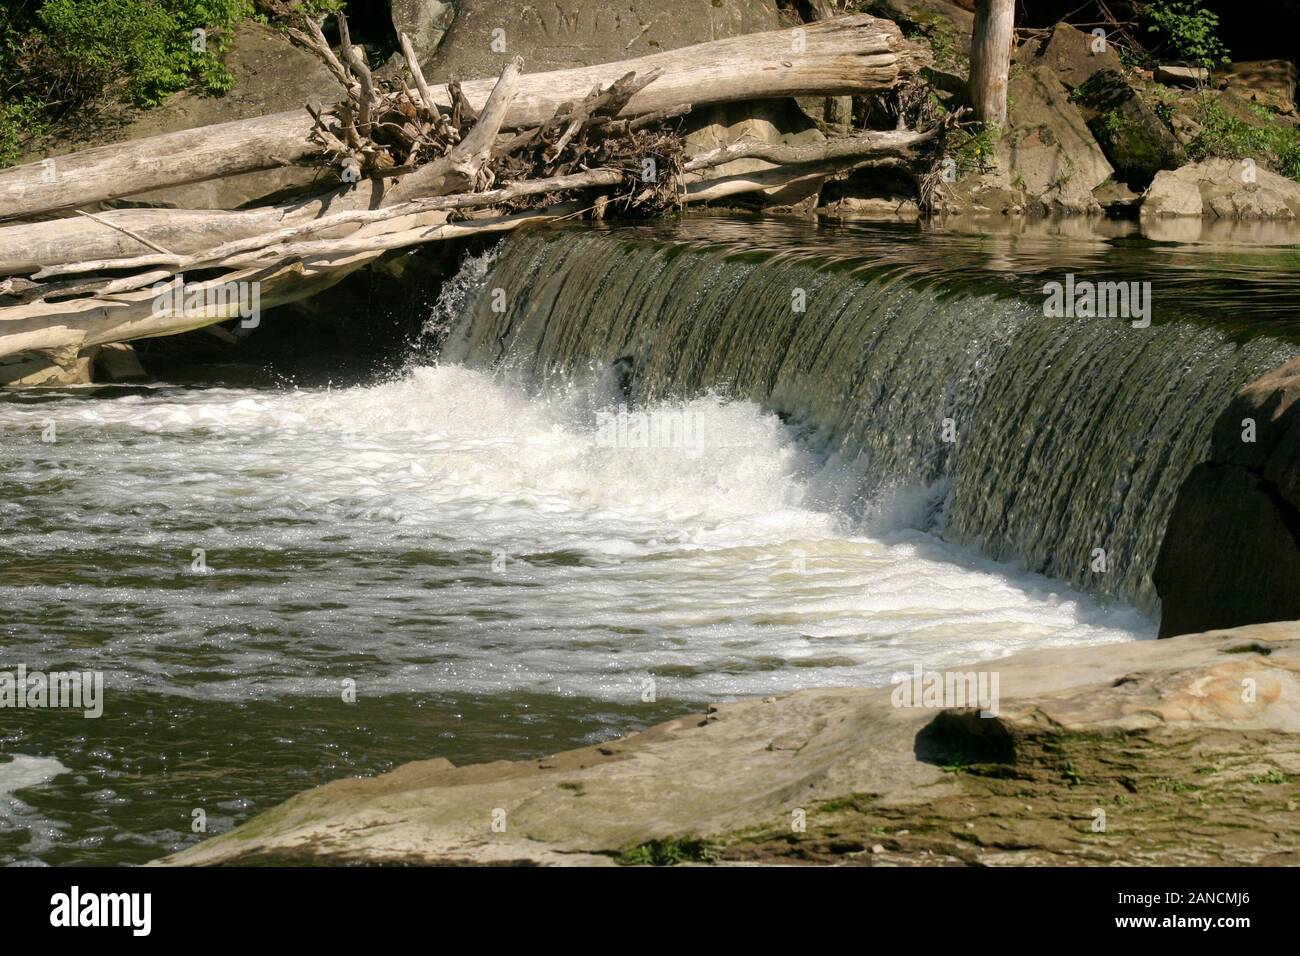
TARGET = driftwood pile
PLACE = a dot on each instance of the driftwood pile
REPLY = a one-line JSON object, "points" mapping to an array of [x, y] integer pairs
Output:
{"points": [[415, 163]]}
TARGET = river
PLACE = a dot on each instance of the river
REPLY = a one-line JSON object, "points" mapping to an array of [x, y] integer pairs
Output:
{"points": [[623, 475]]}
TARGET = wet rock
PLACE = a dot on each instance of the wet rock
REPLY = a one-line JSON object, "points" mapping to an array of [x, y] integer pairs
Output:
{"points": [[1223, 188], [864, 767], [980, 195], [29, 370], [870, 194], [1231, 553], [118, 362], [871, 207], [1116, 198], [1131, 135]]}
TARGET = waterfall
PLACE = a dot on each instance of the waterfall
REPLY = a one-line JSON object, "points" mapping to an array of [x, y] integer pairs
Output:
{"points": [[1060, 442]]}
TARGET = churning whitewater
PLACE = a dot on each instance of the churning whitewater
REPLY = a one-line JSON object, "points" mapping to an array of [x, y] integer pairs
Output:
{"points": [[446, 531]]}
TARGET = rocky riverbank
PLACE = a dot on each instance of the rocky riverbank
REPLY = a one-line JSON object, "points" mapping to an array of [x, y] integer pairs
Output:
{"points": [[1182, 752]]}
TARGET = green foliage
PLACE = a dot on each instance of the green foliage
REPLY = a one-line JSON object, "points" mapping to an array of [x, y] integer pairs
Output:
{"points": [[949, 45], [20, 119], [668, 852], [1271, 144], [58, 55], [974, 152], [1187, 30], [320, 8], [1273, 776], [150, 46]]}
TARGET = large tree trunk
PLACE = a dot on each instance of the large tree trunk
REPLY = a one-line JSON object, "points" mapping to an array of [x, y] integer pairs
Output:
{"points": [[303, 269], [856, 54], [29, 246], [990, 59]]}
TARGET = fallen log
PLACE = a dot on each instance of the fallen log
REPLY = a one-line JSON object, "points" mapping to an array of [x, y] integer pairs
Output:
{"points": [[777, 177], [846, 55], [44, 248], [896, 142], [331, 225], [29, 246], [460, 169], [62, 330], [794, 163], [299, 270], [431, 169]]}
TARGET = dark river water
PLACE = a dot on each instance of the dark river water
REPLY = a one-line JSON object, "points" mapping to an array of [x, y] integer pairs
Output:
{"points": [[285, 586]]}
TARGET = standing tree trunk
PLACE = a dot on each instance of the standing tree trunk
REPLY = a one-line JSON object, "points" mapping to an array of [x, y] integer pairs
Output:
{"points": [[990, 58]]}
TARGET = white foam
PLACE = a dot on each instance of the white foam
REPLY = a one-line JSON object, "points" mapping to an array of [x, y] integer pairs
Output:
{"points": [[719, 566], [23, 771]]}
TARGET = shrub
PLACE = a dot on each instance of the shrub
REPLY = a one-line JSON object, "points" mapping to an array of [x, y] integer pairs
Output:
{"points": [[1271, 144], [58, 55], [1188, 31]]}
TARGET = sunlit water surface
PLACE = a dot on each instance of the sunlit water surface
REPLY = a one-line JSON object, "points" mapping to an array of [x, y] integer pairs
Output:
{"points": [[487, 575]]}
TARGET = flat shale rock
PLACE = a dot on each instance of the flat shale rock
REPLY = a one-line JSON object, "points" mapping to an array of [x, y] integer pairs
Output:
{"points": [[1189, 749]]}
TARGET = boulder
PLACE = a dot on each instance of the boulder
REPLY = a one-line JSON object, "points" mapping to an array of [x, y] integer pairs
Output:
{"points": [[561, 34], [896, 206], [1075, 56], [1129, 132], [871, 773], [271, 75], [1171, 75], [980, 195], [1224, 188], [118, 362], [923, 14], [425, 21], [945, 26], [1231, 552], [1116, 198], [1270, 83], [1053, 155], [28, 370]]}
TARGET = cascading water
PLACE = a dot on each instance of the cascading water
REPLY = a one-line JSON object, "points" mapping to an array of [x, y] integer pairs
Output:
{"points": [[1058, 442], [496, 559]]}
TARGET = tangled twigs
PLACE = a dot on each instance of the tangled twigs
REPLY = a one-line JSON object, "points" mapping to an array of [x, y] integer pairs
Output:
{"points": [[931, 174], [586, 134], [424, 164], [381, 131]]}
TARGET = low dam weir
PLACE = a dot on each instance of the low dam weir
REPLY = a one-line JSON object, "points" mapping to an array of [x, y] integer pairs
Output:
{"points": [[717, 458], [984, 412]]}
